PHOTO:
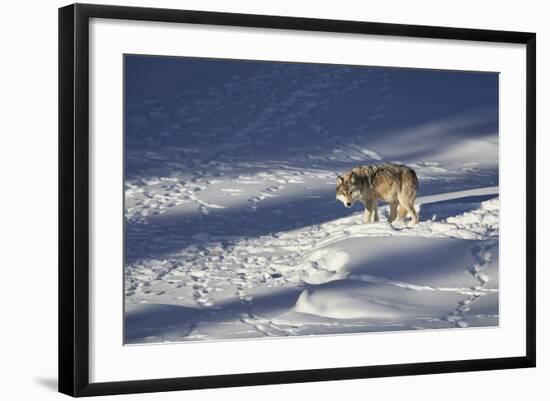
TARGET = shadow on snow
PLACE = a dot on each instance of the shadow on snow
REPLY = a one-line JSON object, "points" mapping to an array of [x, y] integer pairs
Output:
{"points": [[167, 234], [158, 320]]}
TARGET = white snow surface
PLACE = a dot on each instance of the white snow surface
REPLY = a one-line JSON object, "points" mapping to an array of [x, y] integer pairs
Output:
{"points": [[233, 231], [340, 276]]}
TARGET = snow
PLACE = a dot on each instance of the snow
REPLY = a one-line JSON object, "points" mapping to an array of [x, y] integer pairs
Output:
{"points": [[232, 227]]}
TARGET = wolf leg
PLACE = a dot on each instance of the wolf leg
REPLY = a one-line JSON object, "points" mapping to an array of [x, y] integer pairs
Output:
{"points": [[413, 213], [409, 208], [367, 215], [393, 211], [375, 210], [407, 197], [401, 213], [371, 214]]}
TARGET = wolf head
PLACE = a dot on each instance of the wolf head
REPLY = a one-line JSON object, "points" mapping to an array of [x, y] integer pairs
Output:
{"points": [[347, 189]]}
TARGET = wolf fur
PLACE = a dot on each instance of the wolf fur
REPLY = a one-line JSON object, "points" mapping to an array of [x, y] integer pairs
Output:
{"points": [[392, 183]]}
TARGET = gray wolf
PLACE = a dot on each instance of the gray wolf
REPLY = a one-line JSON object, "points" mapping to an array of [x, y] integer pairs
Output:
{"points": [[392, 183]]}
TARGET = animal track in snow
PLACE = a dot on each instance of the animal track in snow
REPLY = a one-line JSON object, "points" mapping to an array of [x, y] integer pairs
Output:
{"points": [[482, 257], [266, 193], [158, 195]]}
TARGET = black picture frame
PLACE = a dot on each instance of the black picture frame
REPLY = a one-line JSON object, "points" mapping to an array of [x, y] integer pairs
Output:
{"points": [[74, 198]]}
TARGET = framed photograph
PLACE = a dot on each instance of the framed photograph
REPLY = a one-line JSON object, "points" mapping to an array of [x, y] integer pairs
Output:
{"points": [[251, 199]]}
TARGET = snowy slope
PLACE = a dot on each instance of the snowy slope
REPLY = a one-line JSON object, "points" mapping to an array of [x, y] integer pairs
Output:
{"points": [[334, 277], [233, 231]]}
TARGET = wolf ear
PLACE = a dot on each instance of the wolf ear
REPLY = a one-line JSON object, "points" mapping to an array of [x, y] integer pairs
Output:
{"points": [[339, 180], [353, 178]]}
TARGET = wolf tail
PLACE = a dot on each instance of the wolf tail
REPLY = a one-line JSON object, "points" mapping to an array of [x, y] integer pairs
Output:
{"points": [[409, 183], [407, 197]]}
